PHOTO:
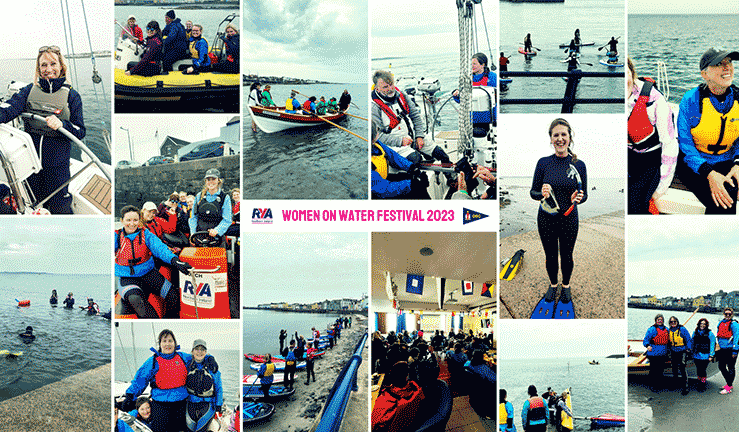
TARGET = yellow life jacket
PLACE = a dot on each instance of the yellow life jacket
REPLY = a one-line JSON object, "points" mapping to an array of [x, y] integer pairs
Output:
{"points": [[194, 51], [289, 104], [502, 414], [379, 162], [270, 370], [716, 132], [676, 339]]}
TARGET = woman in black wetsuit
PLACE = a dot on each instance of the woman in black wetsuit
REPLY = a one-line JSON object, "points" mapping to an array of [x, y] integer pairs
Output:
{"points": [[560, 183]]}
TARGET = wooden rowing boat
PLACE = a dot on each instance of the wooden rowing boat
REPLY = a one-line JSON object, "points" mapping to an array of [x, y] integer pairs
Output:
{"points": [[275, 119]]}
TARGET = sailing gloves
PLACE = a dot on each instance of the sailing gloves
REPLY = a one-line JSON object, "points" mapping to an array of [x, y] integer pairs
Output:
{"points": [[181, 266]]}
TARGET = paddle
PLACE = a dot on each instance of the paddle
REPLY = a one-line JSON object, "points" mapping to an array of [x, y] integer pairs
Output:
{"points": [[355, 116], [330, 122], [607, 43], [535, 48]]}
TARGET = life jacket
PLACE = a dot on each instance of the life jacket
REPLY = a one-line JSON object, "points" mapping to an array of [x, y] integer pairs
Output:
{"points": [[46, 104], [676, 338], [537, 411], [661, 338], [306, 105], [716, 132], [289, 105], [642, 133], [482, 81], [172, 372], [321, 108], [199, 381], [397, 407], [132, 252], [155, 227], [269, 370], [502, 414], [701, 343], [724, 330], [394, 116], [194, 49], [210, 213], [379, 162]]}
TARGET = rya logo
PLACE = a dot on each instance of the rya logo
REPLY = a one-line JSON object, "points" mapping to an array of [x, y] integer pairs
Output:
{"points": [[261, 216]]}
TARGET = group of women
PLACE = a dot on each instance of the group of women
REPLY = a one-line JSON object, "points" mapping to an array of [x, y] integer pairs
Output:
{"points": [[203, 60], [186, 389], [140, 252]]}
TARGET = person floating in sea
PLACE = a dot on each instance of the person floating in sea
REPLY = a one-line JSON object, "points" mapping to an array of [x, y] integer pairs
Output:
{"points": [[680, 344], [92, 308], [728, 342], [28, 335], [707, 141], [54, 298], [656, 341], [69, 301]]}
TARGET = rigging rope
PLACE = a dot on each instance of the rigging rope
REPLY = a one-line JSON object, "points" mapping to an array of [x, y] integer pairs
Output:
{"points": [[125, 357], [96, 79], [68, 40], [464, 9]]}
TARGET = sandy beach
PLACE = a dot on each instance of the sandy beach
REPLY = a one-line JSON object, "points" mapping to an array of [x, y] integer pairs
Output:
{"points": [[298, 413], [597, 280]]}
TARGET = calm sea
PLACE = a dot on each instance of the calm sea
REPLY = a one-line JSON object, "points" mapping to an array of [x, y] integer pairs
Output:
{"points": [[597, 20], [596, 389], [262, 328], [519, 215], [67, 340], [321, 162]]}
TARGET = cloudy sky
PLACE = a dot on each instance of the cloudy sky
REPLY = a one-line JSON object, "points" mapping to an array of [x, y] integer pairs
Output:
{"points": [[312, 39], [681, 7], [80, 245], [304, 267], [221, 335], [147, 132], [698, 254], [574, 338]]}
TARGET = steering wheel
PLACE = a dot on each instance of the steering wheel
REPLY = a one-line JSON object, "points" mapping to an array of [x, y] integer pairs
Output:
{"points": [[203, 239]]}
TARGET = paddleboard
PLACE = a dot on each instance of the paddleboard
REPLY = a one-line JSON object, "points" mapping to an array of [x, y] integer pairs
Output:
{"points": [[526, 53], [275, 392], [253, 412], [254, 380], [278, 366], [9, 354], [604, 62], [567, 45]]}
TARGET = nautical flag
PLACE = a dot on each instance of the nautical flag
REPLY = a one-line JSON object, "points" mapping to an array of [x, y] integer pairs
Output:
{"points": [[467, 288], [486, 290], [414, 284]]}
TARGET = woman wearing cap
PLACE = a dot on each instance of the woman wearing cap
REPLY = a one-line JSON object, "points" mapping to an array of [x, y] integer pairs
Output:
{"points": [[132, 30], [229, 63], [151, 62], [52, 98], [166, 373], [204, 386], [158, 225], [212, 209], [560, 183], [135, 249]]}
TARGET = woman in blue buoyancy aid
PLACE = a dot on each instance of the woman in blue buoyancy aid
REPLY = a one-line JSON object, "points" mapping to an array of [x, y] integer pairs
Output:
{"points": [[212, 209]]}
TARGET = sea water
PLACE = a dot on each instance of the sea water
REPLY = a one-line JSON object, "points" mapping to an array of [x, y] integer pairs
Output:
{"points": [[321, 162], [68, 341]]}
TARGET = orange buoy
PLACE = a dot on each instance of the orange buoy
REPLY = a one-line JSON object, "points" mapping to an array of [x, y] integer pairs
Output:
{"points": [[24, 303]]}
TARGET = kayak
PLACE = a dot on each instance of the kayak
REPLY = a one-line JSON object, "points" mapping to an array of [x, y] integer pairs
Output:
{"points": [[567, 45], [606, 421], [566, 419], [604, 62], [526, 53], [259, 358], [254, 380], [256, 411], [275, 392], [278, 366]]}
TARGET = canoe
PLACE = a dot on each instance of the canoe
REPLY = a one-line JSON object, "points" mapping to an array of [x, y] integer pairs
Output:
{"points": [[254, 393], [254, 380], [254, 412], [278, 366], [606, 421], [275, 119], [526, 53]]}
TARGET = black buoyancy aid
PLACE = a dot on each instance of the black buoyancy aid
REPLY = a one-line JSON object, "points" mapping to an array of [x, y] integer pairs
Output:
{"points": [[210, 213], [171, 373], [642, 133], [701, 343], [199, 381], [676, 339], [724, 330], [379, 162], [45, 104], [662, 337], [132, 252], [392, 115], [537, 410]]}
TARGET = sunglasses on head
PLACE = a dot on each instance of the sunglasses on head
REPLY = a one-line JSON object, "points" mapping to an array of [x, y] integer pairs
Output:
{"points": [[53, 48]]}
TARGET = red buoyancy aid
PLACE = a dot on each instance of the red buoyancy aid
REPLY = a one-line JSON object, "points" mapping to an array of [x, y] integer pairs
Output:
{"points": [[483, 81], [724, 330], [537, 409], [306, 105], [662, 337], [396, 407], [642, 133], [394, 120], [132, 252], [172, 372]]}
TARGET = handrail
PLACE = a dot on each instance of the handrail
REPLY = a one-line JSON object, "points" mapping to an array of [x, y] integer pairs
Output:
{"points": [[333, 411]]}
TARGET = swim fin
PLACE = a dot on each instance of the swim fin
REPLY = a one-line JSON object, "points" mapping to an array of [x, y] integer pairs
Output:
{"points": [[509, 270], [545, 308], [565, 308]]}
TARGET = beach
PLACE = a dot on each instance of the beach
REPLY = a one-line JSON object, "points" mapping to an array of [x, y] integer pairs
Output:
{"points": [[597, 280]]}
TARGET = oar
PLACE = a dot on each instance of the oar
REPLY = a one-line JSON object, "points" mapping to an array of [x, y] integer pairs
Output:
{"points": [[694, 312], [332, 123], [607, 43], [355, 116], [535, 48]]}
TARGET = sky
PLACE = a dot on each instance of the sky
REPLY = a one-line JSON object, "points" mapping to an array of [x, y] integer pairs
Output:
{"points": [[682, 256], [79, 245], [148, 132], [402, 28], [28, 25], [572, 338], [599, 141], [218, 335], [682, 7], [310, 39], [304, 267]]}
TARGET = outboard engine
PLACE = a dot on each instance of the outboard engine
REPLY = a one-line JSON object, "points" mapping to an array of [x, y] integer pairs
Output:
{"points": [[127, 51]]}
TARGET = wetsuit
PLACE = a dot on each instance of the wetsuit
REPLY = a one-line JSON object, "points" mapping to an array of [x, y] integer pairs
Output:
{"points": [[53, 300], [344, 101], [680, 342], [52, 147], [612, 47], [534, 415], [558, 232], [652, 146], [167, 374], [68, 302], [205, 390], [658, 338], [150, 63], [704, 347], [728, 342], [707, 130]]}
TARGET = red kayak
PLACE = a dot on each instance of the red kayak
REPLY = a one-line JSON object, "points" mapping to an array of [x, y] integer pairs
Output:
{"points": [[259, 358]]}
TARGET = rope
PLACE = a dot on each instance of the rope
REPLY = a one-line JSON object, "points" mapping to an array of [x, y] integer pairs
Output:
{"points": [[69, 41], [465, 9], [484, 26], [95, 76]]}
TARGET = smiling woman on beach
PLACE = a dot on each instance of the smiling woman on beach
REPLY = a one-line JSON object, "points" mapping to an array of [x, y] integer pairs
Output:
{"points": [[559, 183]]}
